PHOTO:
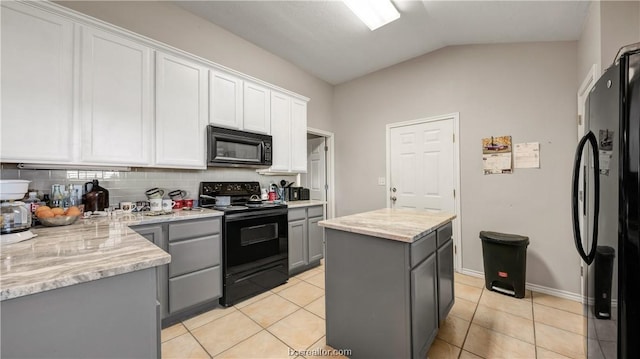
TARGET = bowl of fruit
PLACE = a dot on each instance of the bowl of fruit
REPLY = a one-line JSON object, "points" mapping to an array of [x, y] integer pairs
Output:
{"points": [[56, 216]]}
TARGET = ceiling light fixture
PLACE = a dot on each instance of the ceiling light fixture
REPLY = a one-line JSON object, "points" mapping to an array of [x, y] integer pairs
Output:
{"points": [[374, 13]]}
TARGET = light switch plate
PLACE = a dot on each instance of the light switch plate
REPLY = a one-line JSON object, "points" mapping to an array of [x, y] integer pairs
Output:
{"points": [[382, 181]]}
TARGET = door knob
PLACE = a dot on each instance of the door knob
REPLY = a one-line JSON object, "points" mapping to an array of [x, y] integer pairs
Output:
{"points": [[393, 189], [394, 198]]}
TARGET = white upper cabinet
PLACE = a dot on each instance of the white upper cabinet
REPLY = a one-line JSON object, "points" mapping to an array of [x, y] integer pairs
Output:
{"points": [[298, 136], [116, 106], [37, 85], [181, 112], [257, 108], [281, 134], [225, 100], [289, 132], [89, 93]]}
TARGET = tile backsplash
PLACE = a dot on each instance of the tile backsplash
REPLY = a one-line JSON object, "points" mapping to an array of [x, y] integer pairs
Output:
{"points": [[131, 185]]}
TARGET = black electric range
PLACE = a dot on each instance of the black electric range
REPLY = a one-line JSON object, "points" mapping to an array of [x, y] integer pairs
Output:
{"points": [[239, 193], [255, 240]]}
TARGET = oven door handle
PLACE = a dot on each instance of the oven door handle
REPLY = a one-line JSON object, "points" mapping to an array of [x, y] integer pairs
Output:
{"points": [[257, 214]]}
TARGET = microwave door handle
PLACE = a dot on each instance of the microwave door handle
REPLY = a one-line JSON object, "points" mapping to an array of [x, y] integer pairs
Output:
{"points": [[591, 138]]}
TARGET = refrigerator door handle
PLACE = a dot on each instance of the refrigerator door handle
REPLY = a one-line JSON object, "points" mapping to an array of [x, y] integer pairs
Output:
{"points": [[591, 138]]}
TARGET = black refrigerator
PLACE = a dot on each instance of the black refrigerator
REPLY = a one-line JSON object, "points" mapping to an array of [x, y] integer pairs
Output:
{"points": [[606, 164]]}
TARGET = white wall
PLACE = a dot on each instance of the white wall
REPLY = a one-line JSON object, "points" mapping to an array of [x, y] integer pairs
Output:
{"points": [[168, 23], [589, 44], [619, 25], [609, 26], [527, 91]]}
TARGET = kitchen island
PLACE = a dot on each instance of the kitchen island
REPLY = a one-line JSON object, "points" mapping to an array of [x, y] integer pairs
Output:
{"points": [[84, 290], [388, 281]]}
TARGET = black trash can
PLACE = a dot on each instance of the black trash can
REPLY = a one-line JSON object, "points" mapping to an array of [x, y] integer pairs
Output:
{"points": [[603, 278], [505, 262]]}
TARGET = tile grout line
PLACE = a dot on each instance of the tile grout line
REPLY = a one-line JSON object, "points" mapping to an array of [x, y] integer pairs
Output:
{"points": [[281, 319], [469, 328], [196, 339]]}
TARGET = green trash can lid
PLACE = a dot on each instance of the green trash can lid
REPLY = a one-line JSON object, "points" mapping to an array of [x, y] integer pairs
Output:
{"points": [[504, 238]]}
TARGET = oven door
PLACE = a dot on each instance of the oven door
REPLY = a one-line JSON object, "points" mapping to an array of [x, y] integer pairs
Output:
{"points": [[257, 237]]}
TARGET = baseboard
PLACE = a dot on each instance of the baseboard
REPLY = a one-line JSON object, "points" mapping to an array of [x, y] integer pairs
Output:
{"points": [[537, 288]]}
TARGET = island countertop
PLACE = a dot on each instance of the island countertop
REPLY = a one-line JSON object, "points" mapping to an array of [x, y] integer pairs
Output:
{"points": [[405, 225], [88, 250]]}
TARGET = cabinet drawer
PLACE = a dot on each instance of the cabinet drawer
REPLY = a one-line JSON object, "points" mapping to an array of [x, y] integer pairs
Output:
{"points": [[316, 211], [297, 214], [194, 254], [194, 288], [192, 229], [444, 233], [423, 248]]}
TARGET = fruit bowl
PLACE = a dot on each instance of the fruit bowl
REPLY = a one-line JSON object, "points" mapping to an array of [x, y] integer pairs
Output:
{"points": [[58, 221]]}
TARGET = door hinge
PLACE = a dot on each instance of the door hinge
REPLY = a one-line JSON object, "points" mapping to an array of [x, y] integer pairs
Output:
{"points": [[579, 119], [326, 148], [326, 187], [454, 193], [454, 137], [581, 271], [455, 249]]}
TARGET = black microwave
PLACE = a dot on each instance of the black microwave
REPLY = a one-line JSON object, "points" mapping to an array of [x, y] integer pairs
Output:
{"points": [[232, 148]]}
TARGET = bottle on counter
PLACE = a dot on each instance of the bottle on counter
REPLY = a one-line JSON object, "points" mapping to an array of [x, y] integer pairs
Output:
{"points": [[57, 198]]}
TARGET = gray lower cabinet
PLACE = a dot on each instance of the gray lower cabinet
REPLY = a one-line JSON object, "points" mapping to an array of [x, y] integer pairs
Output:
{"points": [[193, 278], [306, 238], [386, 298], [424, 305], [155, 234], [113, 317], [445, 279]]}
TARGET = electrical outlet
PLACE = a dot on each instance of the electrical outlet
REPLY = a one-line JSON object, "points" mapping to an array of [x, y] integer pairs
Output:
{"points": [[382, 181]]}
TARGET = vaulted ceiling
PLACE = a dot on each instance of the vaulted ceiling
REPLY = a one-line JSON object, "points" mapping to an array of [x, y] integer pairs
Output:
{"points": [[326, 39]]}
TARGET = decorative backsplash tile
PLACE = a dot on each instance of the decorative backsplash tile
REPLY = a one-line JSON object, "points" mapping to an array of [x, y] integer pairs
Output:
{"points": [[130, 186]]}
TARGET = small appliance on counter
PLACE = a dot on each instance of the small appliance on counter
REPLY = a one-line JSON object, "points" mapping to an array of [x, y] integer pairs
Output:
{"points": [[96, 198], [305, 195], [15, 219]]}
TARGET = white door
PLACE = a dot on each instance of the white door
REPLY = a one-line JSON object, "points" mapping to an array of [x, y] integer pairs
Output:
{"points": [[316, 168], [181, 112], [422, 166], [116, 102], [37, 85]]}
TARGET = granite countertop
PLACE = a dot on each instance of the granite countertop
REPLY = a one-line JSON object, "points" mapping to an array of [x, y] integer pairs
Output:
{"points": [[405, 225], [87, 250], [307, 203]]}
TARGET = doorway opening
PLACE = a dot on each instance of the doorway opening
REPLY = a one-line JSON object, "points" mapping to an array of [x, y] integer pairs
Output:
{"points": [[320, 169]]}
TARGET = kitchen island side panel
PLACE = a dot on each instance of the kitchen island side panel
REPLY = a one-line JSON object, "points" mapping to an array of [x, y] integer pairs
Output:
{"points": [[114, 317], [367, 295]]}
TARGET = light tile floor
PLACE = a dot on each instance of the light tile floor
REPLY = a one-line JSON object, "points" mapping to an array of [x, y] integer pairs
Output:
{"points": [[482, 324]]}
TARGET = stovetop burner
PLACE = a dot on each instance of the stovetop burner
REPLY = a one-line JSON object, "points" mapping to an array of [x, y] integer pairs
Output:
{"points": [[240, 192]]}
